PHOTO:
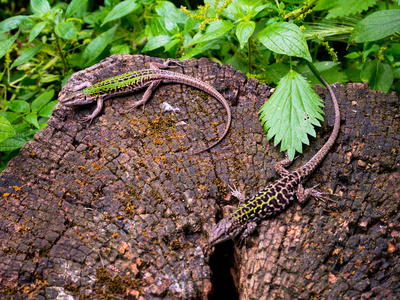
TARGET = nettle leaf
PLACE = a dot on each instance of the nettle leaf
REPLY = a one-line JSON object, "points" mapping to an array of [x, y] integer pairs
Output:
{"points": [[379, 75], [289, 115], [376, 26], [96, 46], [74, 6], [214, 30], [6, 129], [6, 45], [275, 72], [244, 31], [120, 10], [66, 30], [349, 7], [285, 38]]}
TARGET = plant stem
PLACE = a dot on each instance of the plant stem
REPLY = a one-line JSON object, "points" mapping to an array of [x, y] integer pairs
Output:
{"points": [[249, 54], [294, 14], [315, 71], [61, 54]]}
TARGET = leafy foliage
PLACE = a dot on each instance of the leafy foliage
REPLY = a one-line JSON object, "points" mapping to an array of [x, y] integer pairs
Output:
{"points": [[291, 112], [349, 7], [40, 47]]}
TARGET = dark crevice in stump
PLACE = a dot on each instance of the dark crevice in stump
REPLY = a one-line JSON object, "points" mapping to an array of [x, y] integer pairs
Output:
{"points": [[222, 266]]}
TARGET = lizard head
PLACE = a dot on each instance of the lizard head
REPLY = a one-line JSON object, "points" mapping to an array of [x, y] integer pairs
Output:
{"points": [[224, 231], [72, 98]]}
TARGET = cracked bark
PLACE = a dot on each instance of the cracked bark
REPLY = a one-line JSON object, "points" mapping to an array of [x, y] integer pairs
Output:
{"points": [[119, 207]]}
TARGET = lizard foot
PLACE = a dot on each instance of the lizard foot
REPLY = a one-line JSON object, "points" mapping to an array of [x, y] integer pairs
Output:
{"points": [[320, 196], [236, 192]]}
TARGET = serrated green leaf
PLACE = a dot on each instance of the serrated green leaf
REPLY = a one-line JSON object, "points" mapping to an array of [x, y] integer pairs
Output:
{"points": [[47, 109], [120, 10], [12, 144], [379, 75], [32, 118], [376, 26], [40, 6], [244, 31], [66, 30], [276, 71], [14, 22], [214, 30], [96, 46], [156, 42], [26, 55], [73, 7], [285, 38], [6, 45], [348, 7], [289, 115], [36, 30], [42, 100], [6, 129], [19, 106]]}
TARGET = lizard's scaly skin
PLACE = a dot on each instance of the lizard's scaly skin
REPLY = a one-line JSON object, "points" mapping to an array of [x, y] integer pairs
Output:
{"points": [[134, 81], [277, 195]]}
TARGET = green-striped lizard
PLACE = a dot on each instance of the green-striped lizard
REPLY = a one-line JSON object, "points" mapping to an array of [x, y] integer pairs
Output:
{"points": [[86, 93], [277, 195]]}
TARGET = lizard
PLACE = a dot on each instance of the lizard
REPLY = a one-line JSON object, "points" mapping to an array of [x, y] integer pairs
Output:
{"points": [[277, 195], [127, 83]]}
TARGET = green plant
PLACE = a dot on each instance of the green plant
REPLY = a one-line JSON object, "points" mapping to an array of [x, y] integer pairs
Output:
{"points": [[273, 41]]}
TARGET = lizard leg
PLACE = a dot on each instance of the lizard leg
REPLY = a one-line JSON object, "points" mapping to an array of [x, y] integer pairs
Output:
{"points": [[303, 194], [281, 165], [236, 192], [96, 112], [146, 96], [251, 227], [155, 65]]}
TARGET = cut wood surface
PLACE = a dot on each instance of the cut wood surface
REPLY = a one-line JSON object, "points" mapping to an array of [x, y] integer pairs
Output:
{"points": [[120, 209]]}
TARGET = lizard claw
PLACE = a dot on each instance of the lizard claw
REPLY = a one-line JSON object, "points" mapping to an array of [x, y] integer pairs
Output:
{"points": [[236, 192], [86, 119]]}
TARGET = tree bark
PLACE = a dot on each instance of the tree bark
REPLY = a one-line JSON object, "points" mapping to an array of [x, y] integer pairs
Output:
{"points": [[120, 209]]}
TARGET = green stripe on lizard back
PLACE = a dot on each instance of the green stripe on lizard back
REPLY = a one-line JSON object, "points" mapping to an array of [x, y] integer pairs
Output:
{"points": [[119, 82]]}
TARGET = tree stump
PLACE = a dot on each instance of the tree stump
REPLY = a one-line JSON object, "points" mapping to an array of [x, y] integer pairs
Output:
{"points": [[121, 209]]}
